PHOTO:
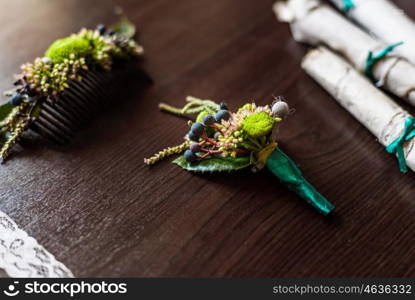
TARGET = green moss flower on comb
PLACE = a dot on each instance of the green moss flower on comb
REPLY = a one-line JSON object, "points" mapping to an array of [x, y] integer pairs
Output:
{"points": [[72, 47]]}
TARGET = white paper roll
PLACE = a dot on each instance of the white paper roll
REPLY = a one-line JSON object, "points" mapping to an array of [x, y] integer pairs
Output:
{"points": [[376, 111], [386, 21], [315, 23]]}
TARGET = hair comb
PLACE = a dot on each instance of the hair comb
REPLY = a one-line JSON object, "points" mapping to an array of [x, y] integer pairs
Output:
{"points": [[56, 95]]}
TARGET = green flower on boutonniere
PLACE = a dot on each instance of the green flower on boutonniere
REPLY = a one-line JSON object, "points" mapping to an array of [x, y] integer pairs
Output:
{"points": [[221, 140]]}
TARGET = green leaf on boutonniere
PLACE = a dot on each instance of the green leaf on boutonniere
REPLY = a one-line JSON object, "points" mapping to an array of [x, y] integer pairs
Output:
{"points": [[125, 28], [5, 110], [214, 164]]}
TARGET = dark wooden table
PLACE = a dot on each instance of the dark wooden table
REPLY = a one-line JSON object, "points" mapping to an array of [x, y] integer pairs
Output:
{"points": [[102, 212]]}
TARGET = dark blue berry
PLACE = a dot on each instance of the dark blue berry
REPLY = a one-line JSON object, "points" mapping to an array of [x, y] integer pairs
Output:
{"points": [[208, 120], [197, 128], [189, 156], [16, 99], [193, 136], [101, 29], [195, 147], [223, 105], [223, 114]]}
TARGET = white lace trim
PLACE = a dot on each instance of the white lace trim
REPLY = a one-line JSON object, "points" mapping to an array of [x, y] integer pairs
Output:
{"points": [[22, 256]]}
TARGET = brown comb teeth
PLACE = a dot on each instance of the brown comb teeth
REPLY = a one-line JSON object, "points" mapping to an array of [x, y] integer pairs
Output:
{"points": [[61, 119]]}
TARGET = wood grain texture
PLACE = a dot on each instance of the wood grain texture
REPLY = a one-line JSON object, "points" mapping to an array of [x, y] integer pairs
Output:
{"points": [[102, 212]]}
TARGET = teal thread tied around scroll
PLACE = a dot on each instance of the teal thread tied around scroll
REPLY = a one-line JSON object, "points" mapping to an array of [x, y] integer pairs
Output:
{"points": [[289, 174], [348, 5], [373, 59], [396, 147]]}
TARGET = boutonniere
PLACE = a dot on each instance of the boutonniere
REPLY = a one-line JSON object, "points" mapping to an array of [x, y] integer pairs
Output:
{"points": [[220, 140]]}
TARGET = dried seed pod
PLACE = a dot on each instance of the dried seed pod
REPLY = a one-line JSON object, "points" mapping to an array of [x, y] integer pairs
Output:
{"points": [[280, 109]]}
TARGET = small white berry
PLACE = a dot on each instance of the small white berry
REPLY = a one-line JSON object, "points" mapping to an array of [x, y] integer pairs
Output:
{"points": [[280, 109]]}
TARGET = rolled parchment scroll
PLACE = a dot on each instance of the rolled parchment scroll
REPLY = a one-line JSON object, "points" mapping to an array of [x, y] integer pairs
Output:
{"points": [[386, 21], [370, 106], [315, 23]]}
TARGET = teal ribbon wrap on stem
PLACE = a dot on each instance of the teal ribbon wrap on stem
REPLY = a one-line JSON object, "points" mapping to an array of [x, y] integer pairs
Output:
{"points": [[289, 174], [372, 59], [396, 147], [348, 5]]}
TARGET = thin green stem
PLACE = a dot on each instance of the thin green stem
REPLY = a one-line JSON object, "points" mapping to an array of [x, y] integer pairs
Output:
{"points": [[171, 109], [253, 141]]}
